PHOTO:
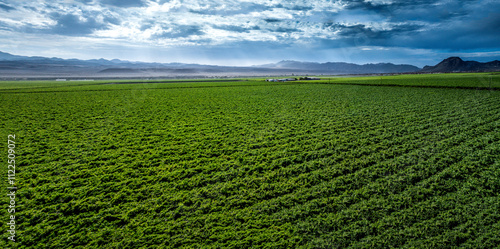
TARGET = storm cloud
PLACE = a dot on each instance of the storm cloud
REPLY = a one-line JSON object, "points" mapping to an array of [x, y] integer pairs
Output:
{"points": [[5, 7], [74, 25]]}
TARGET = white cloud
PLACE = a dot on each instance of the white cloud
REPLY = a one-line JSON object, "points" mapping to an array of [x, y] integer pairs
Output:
{"points": [[275, 20]]}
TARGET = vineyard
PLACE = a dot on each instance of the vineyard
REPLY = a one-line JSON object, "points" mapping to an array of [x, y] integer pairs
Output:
{"points": [[327, 164]]}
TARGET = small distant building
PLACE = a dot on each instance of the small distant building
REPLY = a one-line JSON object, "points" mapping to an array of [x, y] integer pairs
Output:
{"points": [[281, 80]]}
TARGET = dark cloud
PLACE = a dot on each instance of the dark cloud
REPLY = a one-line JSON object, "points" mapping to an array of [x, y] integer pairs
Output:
{"points": [[424, 24], [294, 7], [235, 28], [72, 25], [387, 8], [362, 30], [5, 26], [424, 10], [146, 26], [478, 29], [125, 3], [180, 31], [108, 19], [6, 7], [283, 30], [301, 8], [43, 11], [362, 35], [489, 25], [272, 20], [173, 30], [479, 34], [432, 13], [455, 35], [280, 26]]}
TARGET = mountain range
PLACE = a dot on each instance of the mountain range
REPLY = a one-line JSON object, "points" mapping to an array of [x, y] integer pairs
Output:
{"points": [[343, 67], [15, 66], [456, 64]]}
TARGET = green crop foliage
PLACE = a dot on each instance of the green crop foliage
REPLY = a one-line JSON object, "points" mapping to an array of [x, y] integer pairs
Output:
{"points": [[453, 80], [245, 164]]}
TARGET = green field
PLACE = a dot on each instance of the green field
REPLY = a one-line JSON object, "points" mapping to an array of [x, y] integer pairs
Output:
{"points": [[454, 80], [312, 164]]}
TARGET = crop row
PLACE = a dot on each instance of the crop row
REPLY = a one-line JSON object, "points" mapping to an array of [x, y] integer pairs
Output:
{"points": [[311, 165]]}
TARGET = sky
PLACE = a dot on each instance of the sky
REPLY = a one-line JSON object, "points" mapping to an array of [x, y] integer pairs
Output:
{"points": [[253, 32]]}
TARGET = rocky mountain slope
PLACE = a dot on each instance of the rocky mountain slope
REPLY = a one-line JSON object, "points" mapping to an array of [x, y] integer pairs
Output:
{"points": [[456, 64]]}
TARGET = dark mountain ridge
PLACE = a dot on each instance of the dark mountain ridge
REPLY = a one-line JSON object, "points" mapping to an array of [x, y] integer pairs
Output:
{"points": [[456, 64]]}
